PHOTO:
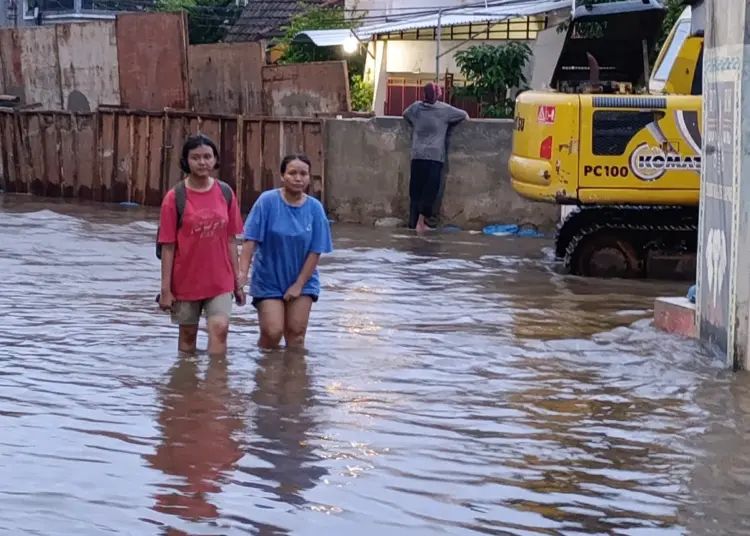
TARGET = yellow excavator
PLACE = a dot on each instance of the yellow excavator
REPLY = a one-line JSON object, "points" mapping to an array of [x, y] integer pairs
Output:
{"points": [[617, 140]]}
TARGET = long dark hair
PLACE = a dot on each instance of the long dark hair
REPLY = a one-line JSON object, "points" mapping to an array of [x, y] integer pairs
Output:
{"points": [[193, 142]]}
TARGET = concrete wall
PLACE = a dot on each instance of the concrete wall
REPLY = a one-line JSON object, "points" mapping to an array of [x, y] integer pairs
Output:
{"points": [[367, 174]]}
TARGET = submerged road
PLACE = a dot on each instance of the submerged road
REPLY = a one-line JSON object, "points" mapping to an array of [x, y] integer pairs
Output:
{"points": [[452, 384]]}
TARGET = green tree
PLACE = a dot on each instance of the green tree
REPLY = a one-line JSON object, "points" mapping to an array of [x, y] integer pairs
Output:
{"points": [[317, 17], [362, 92], [208, 20], [490, 72]]}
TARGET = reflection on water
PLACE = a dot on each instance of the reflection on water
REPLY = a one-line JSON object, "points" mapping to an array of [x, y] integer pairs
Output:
{"points": [[452, 384], [199, 422]]}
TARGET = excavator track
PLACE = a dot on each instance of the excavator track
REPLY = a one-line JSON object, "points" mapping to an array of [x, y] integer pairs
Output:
{"points": [[629, 241]]}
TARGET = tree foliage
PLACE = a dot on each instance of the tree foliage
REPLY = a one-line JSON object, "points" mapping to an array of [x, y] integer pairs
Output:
{"points": [[316, 17], [491, 71], [362, 92], [208, 20]]}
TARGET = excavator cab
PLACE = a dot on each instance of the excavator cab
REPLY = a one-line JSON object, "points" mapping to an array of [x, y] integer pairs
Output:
{"points": [[607, 46], [678, 68]]}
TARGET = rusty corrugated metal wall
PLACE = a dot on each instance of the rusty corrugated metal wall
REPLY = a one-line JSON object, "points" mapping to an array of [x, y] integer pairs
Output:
{"points": [[88, 65], [226, 78], [63, 67], [119, 155], [11, 72], [304, 89], [152, 56], [40, 67]]}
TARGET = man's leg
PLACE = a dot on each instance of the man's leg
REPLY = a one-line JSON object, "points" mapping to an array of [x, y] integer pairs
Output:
{"points": [[415, 192], [432, 176]]}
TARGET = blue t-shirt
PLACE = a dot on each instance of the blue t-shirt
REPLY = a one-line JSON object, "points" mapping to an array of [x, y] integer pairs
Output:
{"points": [[285, 236]]}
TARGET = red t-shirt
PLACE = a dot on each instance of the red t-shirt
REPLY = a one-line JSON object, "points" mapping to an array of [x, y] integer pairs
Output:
{"points": [[202, 267]]}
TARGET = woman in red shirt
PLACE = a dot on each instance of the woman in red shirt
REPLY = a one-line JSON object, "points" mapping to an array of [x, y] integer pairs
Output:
{"points": [[199, 261]]}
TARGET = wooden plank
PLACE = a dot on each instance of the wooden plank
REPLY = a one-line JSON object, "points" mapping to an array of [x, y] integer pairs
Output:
{"points": [[228, 149], [33, 163], [6, 154], [210, 128], [107, 155], [312, 146], [272, 149], [89, 73], [152, 58], [178, 126], [40, 67], [18, 135], [140, 178], [49, 156], [252, 181], [87, 155], [123, 158], [154, 194], [69, 155]]}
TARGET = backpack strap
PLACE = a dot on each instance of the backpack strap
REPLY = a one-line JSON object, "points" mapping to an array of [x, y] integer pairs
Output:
{"points": [[180, 198], [226, 190]]}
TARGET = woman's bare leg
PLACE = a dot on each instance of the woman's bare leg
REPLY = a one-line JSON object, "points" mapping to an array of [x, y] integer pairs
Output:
{"points": [[218, 311], [271, 320], [296, 319], [188, 338]]}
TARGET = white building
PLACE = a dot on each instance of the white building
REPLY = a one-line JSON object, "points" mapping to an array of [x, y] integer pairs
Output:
{"points": [[402, 44]]}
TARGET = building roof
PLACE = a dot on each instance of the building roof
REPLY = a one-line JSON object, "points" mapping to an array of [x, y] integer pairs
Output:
{"points": [[501, 10], [263, 19]]}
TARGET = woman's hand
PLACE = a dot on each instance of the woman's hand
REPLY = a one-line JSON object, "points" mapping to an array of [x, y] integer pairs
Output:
{"points": [[240, 298], [293, 292], [241, 281], [166, 301]]}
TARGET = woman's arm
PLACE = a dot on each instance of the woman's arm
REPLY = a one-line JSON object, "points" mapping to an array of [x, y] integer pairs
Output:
{"points": [[246, 258], [167, 262], [234, 257]]}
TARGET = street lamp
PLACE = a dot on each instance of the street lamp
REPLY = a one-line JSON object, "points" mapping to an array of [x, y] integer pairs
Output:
{"points": [[351, 45]]}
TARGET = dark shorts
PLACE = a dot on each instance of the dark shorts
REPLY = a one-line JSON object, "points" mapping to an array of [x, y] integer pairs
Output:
{"points": [[256, 301]]}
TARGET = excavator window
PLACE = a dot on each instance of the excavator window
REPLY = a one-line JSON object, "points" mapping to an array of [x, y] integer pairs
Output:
{"points": [[613, 129], [682, 33]]}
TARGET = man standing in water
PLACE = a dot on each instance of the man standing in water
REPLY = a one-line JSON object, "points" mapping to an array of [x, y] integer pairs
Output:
{"points": [[431, 120]]}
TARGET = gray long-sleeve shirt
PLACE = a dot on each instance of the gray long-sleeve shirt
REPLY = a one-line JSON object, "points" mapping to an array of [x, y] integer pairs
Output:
{"points": [[431, 122]]}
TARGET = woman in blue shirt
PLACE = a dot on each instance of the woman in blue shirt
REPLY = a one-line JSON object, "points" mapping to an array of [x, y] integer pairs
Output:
{"points": [[285, 234]]}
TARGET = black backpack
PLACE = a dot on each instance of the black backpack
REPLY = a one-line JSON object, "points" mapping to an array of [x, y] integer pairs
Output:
{"points": [[180, 197]]}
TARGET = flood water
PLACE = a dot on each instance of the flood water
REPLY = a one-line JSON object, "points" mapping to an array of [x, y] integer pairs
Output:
{"points": [[452, 385]]}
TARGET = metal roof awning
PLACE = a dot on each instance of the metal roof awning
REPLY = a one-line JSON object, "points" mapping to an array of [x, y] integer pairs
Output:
{"points": [[448, 17]]}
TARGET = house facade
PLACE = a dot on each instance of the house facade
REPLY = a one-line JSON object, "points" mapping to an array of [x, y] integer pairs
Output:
{"points": [[22, 13], [404, 53]]}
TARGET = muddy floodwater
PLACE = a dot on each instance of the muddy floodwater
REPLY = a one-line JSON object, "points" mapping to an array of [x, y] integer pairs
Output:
{"points": [[453, 384]]}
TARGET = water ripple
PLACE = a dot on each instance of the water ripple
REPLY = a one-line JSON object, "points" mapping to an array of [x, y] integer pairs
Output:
{"points": [[453, 384]]}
